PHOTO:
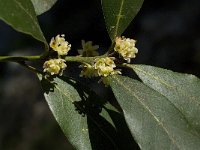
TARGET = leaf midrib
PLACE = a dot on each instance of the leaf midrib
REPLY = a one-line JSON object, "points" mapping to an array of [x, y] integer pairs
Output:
{"points": [[33, 20], [146, 107], [119, 16]]}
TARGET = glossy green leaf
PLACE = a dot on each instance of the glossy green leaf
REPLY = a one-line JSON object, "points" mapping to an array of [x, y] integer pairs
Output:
{"points": [[87, 122], [183, 90], [21, 16], [42, 6], [153, 120], [118, 14]]}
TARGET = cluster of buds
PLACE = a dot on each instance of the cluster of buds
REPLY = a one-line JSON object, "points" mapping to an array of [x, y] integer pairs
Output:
{"points": [[54, 66], [101, 67], [105, 66], [126, 48], [62, 47]]}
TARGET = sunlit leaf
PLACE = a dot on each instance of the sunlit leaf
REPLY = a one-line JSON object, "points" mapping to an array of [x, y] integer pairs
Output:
{"points": [[42, 6], [183, 90], [153, 120]]}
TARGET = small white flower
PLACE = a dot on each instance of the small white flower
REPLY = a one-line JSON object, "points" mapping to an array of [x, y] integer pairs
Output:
{"points": [[54, 66], [59, 45], [126, 48]]}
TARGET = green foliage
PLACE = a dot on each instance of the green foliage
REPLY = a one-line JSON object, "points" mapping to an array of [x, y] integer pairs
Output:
{"points": [[42, 6], [160, 113], [154, 121], [21, 16], [118, 14], [181, 89], [87, 122]]}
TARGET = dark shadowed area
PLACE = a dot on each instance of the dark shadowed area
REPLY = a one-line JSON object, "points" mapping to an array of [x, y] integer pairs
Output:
{"points": [[167, 34]]}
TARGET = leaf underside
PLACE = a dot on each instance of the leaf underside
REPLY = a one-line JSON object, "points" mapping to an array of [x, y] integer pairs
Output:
{"points": [[183, 90], [42, 6], [153, 120]]}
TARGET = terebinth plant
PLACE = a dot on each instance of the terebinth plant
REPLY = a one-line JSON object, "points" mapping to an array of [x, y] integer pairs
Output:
{"points": [[160, 112]]}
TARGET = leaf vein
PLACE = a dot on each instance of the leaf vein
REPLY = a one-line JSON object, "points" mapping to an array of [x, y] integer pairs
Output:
{"points": [[21, 6], [119, 16], [99, 126], [160, 123], [175, 87]]}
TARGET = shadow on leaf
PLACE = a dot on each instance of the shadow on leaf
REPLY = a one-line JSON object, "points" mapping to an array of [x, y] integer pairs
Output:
{"points": [[102, 133], [123, 132], [48, 84], [105, 128]]}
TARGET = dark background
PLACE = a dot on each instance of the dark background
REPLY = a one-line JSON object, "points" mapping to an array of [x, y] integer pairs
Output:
{"points": [[167, 34]]}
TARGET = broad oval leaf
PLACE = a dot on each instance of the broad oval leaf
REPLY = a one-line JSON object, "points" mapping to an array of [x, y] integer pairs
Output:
{"points": [[183, 90], [118, 14], [21, 16], [42, 6], [86, 121], [153, 120]]}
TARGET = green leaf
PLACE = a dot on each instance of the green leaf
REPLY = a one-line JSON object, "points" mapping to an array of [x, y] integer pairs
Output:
{"points": [[153, 120], [83, 117], [21, 16], [118, 14], [42, 6], [183, 90]]}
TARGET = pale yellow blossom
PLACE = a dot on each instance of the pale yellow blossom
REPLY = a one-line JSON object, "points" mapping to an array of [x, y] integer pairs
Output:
{"points": [[105, 66], [126, 48], [59, 45], [54, 66]]}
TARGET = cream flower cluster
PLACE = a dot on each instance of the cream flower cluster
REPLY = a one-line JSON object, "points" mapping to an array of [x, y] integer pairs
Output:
{"points": [[101, 67], [59, 45], [62, 47], [126, 48], [105, 66], [54, 66]]}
